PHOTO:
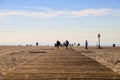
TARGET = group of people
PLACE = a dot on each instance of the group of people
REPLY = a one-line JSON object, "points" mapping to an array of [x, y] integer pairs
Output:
{"points": [[66, 44], [58, 44]]}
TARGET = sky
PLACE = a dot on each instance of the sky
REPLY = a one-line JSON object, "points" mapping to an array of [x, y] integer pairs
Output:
{"points": [[45, 21]]}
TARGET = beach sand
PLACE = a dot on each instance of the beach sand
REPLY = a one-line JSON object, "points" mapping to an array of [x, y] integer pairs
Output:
{"points": [[108, 56], [14, 56]]}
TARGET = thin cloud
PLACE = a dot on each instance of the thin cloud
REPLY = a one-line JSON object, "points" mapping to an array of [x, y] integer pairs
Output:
{"points": [[117, 12], [32, 14], [91, 12], [49, 13]]}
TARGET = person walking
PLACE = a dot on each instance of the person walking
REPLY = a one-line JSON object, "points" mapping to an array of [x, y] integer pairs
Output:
{"points": [[58, 44], [37, 44], [66, 44], [86, 44]]}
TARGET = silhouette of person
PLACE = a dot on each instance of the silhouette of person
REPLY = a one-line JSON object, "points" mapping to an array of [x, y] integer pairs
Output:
{"points": [[58, 44], [74, 44], [36, 43], [66, 44], [114, 45], [86, 44], [78, 44], [55, 44]]}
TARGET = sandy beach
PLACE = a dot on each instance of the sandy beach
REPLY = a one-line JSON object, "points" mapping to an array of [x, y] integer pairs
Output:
{"points": [[12, 57], [108, 56]]}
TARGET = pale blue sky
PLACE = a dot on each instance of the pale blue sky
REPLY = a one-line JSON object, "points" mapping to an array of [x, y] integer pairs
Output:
{"points": [[45, 21]]}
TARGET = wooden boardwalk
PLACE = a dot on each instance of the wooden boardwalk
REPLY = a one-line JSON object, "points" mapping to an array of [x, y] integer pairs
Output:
{"points": [[61, 64]]}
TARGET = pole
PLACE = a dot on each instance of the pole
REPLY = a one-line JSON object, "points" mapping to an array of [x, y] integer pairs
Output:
{"points": [[99, 40]]}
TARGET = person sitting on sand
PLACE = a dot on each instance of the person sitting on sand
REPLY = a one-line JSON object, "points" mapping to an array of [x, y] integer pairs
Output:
{"points": [[66, 44], [58, 44]]}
